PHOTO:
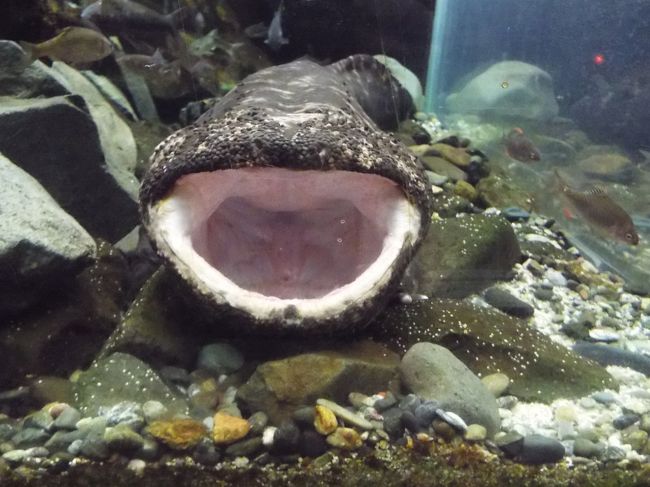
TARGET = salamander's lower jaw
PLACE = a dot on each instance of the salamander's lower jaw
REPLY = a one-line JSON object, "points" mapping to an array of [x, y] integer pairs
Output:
{"points": [[291, 250]]}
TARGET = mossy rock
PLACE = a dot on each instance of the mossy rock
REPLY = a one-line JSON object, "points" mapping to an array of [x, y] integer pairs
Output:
{"points": [[460, 256], [278, 387], [156, 328], [497, 192], [489, 341]]}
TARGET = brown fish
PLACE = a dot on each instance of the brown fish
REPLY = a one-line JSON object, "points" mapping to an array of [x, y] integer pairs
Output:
{"points": [[519, 146], [73, 45], [599, 211]]}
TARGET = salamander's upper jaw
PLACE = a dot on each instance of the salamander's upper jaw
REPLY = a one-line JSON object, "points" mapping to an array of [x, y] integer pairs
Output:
{"points": [[295, 246]]}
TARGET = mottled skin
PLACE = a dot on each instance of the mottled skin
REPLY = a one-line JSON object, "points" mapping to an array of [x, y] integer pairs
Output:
{"points": [[300, 116]]}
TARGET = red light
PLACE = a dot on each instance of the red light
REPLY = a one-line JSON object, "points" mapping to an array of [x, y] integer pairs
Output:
{"points": [[599, 59]]}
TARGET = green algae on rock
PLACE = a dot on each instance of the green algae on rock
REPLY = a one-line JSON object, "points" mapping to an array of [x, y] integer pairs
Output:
{"points": [[499, 192], [122, 377], [460, 256], [489, 341], [278, 387], [153, 328]]}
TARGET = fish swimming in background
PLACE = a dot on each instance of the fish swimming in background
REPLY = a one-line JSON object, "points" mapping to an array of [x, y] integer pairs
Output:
{"points": [[275, 38], [285, 208], [73, 45], [116, 16], [599, 211], [519, 147], [165, 79]]}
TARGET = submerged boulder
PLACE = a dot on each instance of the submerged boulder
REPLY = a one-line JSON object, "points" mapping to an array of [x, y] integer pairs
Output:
{"points": [[40, 244], [507, 89], [488, 341], [121, 377], [56, 141], [433, 372], [278, 387], [460, 256]]}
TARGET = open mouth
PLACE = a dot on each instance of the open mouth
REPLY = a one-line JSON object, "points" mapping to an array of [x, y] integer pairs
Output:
{"points": [[263, 239]]}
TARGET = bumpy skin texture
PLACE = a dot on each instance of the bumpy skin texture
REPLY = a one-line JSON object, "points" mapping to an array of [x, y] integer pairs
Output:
{"points": [[299, 116]]}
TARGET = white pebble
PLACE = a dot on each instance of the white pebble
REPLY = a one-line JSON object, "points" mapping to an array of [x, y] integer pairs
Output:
{"points": [[267, 436], [137, 466]]}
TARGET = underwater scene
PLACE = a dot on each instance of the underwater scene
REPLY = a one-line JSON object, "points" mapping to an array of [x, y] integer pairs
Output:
{"points": [[298, 242]]}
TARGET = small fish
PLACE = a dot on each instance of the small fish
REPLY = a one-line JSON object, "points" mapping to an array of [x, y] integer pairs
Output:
{"points": [[519, 146], [73, 45], [117, 16], [599, 211], [165, 79], [275, 39]]}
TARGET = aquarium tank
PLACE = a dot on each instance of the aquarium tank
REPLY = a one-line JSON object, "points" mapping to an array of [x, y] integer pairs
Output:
{"points": [[298, 242]]}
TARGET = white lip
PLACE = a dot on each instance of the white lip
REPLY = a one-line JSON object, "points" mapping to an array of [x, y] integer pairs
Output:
{"points": [[248, 236]]}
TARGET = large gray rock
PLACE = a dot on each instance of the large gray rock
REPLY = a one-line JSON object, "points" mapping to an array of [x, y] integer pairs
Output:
{"points": [[56, 141], [115, 137], [40, 244], [121, 377], [510, 89], [461, 256], [489, 341], [433, 372], [21, 79]]}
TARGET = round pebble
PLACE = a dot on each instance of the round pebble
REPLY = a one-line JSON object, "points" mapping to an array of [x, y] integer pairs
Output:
{"points": [[604, 397], [286, 438], [496, 383], [625, 420], [137, 466], [325, 421], [154, 411], [345, 439], [475, 432], [539, 449], [583, 447], [506, 302], [220, 358]]}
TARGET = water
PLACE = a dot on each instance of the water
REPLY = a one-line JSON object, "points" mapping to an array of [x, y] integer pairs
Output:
{"points": [[313, 264]]}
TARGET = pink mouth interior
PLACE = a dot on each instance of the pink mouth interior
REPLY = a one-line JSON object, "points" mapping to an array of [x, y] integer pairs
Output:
{"points": [[289, 234]]}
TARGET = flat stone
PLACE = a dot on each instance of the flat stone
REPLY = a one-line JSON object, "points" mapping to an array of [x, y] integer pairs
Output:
{"points": [[229, 429], [432, 372], [245, 448], [123, 439], [68, 419], [345, 415], [279, 387], [178, 433], [122, 377], [583, 447], [539, 449], [506, 302]]}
